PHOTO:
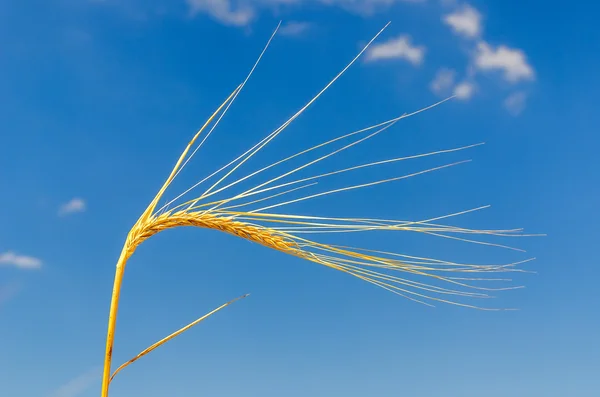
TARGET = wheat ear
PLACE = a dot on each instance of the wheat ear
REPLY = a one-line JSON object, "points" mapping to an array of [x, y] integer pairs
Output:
{"points": [[282, 232]]}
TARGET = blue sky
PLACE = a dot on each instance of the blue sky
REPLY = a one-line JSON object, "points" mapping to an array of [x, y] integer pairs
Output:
{"points": [[99, 97]]}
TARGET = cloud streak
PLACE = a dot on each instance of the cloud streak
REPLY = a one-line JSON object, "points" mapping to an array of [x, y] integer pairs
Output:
{"points": [[294, 28], [242, 13], [443, 81], [224, 11], [19, 261], [73, 206], [398, 48]]}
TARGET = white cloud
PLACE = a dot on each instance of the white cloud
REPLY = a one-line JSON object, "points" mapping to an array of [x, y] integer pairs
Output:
{"points": [[366, 7], [242, 12], [444, 84], [465, 22], [75, 205], [511, 62], [78, 385], [515, 103], [464, 90], [294, 28], [398, 48], [443, 81], [224, 11], [19, 261]]}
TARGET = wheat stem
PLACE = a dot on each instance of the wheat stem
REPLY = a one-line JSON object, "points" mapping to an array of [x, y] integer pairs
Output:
{"points": [[112, 320]]}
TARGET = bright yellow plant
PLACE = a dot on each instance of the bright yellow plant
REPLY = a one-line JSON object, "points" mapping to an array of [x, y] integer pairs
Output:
{"points": [[282, 231]]}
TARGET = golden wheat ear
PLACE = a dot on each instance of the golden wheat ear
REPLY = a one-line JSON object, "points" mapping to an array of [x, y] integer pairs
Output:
{"points": [[249, 214]]}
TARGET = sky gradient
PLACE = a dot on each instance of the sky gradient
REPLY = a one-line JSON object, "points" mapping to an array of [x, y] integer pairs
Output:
{"points": [[99, 97]]}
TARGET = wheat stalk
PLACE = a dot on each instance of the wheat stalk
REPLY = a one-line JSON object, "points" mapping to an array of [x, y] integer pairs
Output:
{"points": [[282, 232]]}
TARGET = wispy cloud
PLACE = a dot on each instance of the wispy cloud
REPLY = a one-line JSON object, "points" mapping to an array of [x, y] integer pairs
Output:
{"points": [[78, 385], [294, 28], [443, 81], [515, 103], [511, 62], [398, 48], [73, 206], [224, 11], [364, 7], [242, 13], [464, 90], [19, 261], [466, 21]]}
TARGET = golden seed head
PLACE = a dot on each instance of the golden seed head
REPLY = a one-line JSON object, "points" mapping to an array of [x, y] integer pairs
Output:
{"points": [[258, 234]]}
